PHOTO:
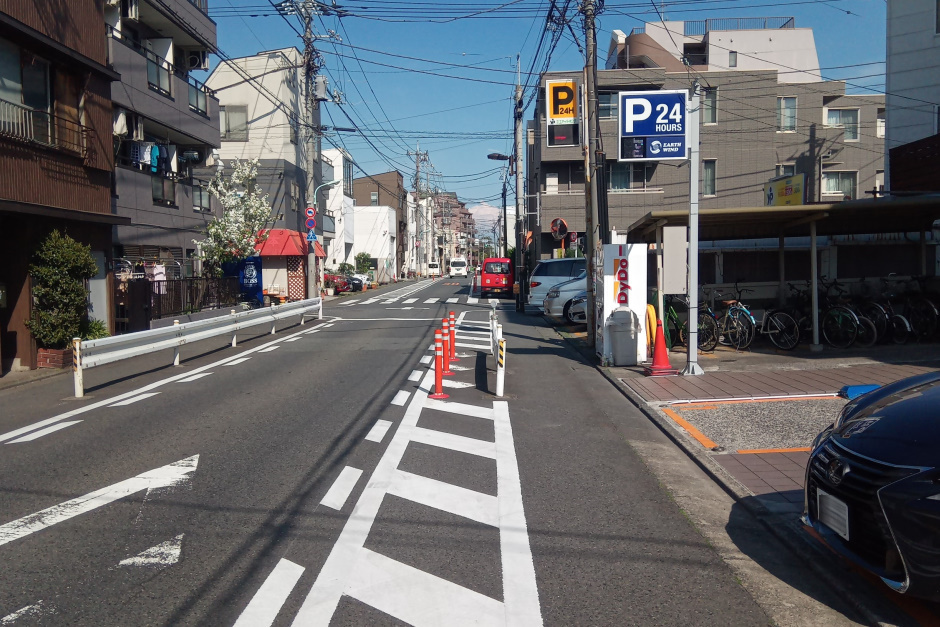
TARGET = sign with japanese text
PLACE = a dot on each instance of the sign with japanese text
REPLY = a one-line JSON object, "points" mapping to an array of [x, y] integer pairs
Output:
{"points": [[563, 113], [653, 125]]}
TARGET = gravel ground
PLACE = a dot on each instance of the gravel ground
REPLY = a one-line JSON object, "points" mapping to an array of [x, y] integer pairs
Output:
{"points": [[760, 425]]}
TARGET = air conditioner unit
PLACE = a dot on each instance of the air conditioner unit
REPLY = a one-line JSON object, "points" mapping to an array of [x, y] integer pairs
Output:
{"points": [[130, 9], [197, 60]]}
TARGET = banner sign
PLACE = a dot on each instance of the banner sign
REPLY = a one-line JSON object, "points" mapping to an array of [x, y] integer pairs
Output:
{"points": [[563, 113], [785, 191], [653, 125]]}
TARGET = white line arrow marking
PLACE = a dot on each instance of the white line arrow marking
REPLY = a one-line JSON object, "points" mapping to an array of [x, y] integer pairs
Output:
{"points": [[164, 477], [164, 554]]}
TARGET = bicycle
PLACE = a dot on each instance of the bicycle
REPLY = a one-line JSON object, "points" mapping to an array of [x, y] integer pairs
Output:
{"points": [[920, 311], [837, 321], [679, 329], [737, 326], [899, 326]]}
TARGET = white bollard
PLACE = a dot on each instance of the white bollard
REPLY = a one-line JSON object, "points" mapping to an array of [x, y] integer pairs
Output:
{"points": [[320, 310], [77, 374], [273, 320], [234, 334], [501, 368], [176, 349]]}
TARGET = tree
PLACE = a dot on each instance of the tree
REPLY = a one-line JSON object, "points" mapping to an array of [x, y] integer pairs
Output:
{"points": [[346, 268], [363, 263], [59, 271], [245, 214]]}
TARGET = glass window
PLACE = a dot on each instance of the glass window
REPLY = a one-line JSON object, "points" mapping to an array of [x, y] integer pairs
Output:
{"points": [[374, 198], [234, 123], [625, 176], [607, 106], [200, 198], [11, 82], [786, 113], [158, 73], [847, 118], [709, 177], [347, 177], [197, 100], [732, 58], [164, 190], [710, 106], [786, 169], [880, 123], [840, 183]]}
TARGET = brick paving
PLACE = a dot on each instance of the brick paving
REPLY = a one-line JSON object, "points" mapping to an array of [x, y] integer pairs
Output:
{"points": [[775, 478]]}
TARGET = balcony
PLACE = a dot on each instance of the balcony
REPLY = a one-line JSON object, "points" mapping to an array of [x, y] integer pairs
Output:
{"points": [[40, 128]]}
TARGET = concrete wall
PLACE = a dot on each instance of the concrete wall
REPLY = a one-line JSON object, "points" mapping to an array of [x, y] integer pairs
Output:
{"points": [[375, 234], [341, 206]]}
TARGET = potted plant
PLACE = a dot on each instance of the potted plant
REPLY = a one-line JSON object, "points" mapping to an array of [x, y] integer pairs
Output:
{"points": [[329, 286], [60, 269]]}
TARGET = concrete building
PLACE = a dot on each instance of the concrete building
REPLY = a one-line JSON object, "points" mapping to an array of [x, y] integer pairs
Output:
{"points": [[454, 227], [165, 123], [338, 165], [375, 233], [912, 86], [55, 154], [763, 115], [386, 190]]}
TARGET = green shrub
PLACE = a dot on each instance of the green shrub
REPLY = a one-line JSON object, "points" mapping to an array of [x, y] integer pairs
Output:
{"points": [[345, 268], [93, 330], [60, 299], [363, 263]]}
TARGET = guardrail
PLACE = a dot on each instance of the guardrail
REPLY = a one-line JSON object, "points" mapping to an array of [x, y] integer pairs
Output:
{"points": [[93, 353]]}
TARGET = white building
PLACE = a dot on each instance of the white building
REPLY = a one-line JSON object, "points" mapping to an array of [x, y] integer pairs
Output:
{"points": [[337, 165], [374, 233]]}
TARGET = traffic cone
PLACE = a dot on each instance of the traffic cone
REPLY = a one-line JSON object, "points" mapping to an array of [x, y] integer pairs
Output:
{"points": [[661, 365]]}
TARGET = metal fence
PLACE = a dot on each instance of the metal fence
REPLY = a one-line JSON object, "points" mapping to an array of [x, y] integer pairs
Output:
{"points": [[173, 297], [40, 127], [700, 27]]}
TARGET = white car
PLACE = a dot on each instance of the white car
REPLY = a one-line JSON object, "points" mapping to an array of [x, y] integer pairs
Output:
{"points": [[559, 298], [434, 268], [551, 272], [577, 311], [458, 267]]}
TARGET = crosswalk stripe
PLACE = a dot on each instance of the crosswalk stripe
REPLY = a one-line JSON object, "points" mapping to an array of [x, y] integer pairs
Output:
{"points": [[446, 497], [460, 408], [408, 301], [452, 300], [463, 444], [267, 602], [431, 301]]}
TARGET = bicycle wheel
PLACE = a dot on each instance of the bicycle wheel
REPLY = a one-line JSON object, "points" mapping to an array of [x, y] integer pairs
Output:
{"points": [[867, 333], [707, 332], [900, 329], [739, 329], [878, 316], [783, 330], [922, 315], [839, 326], [673, 335]]}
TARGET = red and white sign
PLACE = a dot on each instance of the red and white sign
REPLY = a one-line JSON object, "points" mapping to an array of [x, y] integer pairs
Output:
{"points": [[311, 212], [573, 236]]}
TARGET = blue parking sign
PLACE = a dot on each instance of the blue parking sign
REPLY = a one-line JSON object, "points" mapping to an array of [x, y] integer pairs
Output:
{"points": [[653, 125]]}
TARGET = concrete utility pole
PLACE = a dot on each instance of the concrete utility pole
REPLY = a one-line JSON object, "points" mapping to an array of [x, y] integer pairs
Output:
{"points": [[590, 165], [692, 367], [520, 194], [420, 157], [311, 135]]}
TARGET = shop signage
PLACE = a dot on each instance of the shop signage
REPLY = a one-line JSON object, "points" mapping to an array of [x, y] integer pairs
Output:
{"points": [[653, 125], [563, 113]]}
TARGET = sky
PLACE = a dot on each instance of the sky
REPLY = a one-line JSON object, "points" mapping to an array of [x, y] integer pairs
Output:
{"points": [[439, 77]]}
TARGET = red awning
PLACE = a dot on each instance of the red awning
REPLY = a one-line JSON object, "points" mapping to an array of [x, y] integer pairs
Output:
{"points": [[318, 250], [283, 243]]}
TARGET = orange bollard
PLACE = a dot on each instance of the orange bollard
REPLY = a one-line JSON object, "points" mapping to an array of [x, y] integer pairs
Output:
{"points": [[446, 335], [438, 367], [453, 338]]}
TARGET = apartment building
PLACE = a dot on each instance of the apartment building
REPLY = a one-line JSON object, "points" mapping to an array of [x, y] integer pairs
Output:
{"points": [[337, 165], [454, 227], [166, 122], [765, 113], [55, 152], [385, 190]]}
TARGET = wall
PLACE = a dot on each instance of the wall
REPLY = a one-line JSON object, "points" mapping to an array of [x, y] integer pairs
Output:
{"points": [[912, 81], [375, 235]]}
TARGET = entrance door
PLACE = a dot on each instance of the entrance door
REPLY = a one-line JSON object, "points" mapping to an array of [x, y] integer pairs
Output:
{"points": [[296, 280]]}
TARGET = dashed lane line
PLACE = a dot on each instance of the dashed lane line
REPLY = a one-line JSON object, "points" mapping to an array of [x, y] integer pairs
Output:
{"points": [[336, 496], [408, 301], [431, 301], [38, 434], [401, 398], [426, 359], [134, 399], [452, 300], [267, 602], [195, 377], [378, 431], [235, 362], [415, 375], [270, 348]]}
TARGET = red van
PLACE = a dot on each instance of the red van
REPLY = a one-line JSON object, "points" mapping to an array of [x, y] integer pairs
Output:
{"points": [[496, 276]]}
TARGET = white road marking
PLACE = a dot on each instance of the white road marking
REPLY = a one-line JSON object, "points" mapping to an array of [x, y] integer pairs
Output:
{"points": [[463, 444], [38, 434], [471, 300], [312, 331], [196, 377], [415, 375], [327, 326], [460, 408], [453, 366], [164, 554], [476, 506], [378, 431], [408, 301], [401, 398], [432, 347], [431, 301], [470, 334], [426, 359], [35, 611], [270, 348], [480, 347], [164, 477], [452, 300], [292, 339], [494, 301], [134, 399], [450, 383], [267, 602], [371, 300], [235, 362], [390, 301], [338, 493]]}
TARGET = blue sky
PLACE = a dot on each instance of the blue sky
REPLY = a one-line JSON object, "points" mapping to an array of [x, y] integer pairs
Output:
{"points": [[421, 71]]}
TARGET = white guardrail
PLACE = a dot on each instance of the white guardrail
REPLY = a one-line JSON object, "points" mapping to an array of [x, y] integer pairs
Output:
{"points": [[93, 353]]}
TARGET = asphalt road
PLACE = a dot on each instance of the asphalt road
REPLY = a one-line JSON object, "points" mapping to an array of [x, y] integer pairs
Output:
{"points": [[306, 478]]}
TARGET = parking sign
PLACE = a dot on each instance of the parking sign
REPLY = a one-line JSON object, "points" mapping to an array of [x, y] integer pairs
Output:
{"points": [[564, 113], [653, 125]]}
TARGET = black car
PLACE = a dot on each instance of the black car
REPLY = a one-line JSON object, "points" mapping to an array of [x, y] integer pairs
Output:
{"points": [[873, 484], [355, 282]]}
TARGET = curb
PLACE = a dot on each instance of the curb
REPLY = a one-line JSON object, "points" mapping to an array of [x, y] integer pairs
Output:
{"points": [[13, 383], [804, 550]]}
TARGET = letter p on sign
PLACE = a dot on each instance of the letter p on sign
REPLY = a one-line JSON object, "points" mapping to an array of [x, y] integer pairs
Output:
{"points": [[631, 115], [562, 102]]}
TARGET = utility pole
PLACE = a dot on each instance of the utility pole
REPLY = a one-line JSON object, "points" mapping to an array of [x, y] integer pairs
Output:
{"points": [[590, 166], [692, 366], [311, 133], [420, 157], [520, 194]]}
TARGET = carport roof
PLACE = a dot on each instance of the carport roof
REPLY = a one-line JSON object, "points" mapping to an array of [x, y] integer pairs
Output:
{"points": [[853, 217]]}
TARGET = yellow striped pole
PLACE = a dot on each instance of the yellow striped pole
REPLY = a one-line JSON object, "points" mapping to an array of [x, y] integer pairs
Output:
{"points": [[501, 368], [77, 374]]}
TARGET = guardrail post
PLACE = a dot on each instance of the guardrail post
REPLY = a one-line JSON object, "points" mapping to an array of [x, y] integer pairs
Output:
{"points": [[497, 337], [176, 349], [77, 374], [273, 320], [234, 334], [320, 310], [501, 368]]}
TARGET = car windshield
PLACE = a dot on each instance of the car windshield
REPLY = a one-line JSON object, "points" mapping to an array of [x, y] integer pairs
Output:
{"points": [[458, 264], [497, 267], [432, 265]]}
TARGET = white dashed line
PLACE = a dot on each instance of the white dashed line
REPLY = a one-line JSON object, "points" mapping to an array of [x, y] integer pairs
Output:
{"points": [[134, 399], [426, 359], [415, 375], [291, 339], [452, 300], [378, 431], [431, 301], [35, 435], [401, 398], [235, 362], [195, 377], [341, 488], [269, 349], [267, 602], [408, 301]]}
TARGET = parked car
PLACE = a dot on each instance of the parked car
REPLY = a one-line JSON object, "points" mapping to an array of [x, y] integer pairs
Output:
{"points": [[458, 267], [434, 269], [340, 284], [551, 272], [355, 282], [559, 298], [496, 276], [873, 484], [577, 313]]}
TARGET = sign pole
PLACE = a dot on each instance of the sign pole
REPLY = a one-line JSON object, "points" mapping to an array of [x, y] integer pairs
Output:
{"points": [[692, 367]]}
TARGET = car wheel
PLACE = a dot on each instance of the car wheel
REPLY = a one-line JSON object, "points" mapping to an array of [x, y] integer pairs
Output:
{"points": [[567, 313]]}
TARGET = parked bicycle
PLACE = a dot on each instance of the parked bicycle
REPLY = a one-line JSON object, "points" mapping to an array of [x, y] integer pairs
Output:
{"points": [[838, 318], [737, 326], [920, 312], [677, 330]]}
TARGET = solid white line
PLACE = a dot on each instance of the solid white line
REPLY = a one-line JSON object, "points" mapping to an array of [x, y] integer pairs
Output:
{"points": [[292, 339], [267, 602], [446, 497], [38, 434], [431, 301], [338, 493], [235, 362], [426, 359], [327, 326], [134, 399], [452, 300], [415, 375], [401, 398], [460, 408], [270, 348], [378, 431], [460, 443], [163, 477], [408, 301], [195, 377]]}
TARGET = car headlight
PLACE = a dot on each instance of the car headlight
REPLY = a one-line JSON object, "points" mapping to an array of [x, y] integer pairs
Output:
{"points": [[553, 293]]}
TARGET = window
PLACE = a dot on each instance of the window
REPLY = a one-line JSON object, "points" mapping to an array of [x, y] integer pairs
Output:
{"points": [[200, 198], [936, 119], [709, 176], [234, 123], [879, 180], [710, 106], [840, 184], [164, 191], [347, 177], [880, 124], [847, 118], [158, 73], [564, 178], [732, 58], [374, 198], [624, 177], [607, 106], [937, 13], [197, 99], [786, 113], [786, 169]]}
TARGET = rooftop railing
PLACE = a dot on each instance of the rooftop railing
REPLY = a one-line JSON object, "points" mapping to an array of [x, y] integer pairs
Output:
{"points": [[700, 27]]}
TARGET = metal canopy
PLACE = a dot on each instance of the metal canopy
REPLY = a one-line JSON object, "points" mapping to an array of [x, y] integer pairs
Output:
{"points": [[855, 217]]}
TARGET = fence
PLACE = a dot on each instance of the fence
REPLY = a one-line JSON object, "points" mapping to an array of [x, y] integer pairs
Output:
{"points": [[40, 127], [173, 297]]}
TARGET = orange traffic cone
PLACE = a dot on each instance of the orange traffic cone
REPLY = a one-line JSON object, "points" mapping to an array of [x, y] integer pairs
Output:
{"points": [[661, 365]]}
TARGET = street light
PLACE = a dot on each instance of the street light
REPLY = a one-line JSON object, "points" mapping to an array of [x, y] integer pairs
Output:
{"points": [[495, 156]]}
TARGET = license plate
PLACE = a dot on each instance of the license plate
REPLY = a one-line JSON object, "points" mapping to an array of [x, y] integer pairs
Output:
{"points": [[833, 513]]}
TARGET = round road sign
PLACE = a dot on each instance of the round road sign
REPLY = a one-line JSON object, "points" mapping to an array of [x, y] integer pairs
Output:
{"points": [[573, 236], [310, 223], [311, 212]]}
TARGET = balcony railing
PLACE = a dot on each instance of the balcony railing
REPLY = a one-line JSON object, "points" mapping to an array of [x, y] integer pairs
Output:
{"points": [[40, 127], [700, 27], [202, 5]]}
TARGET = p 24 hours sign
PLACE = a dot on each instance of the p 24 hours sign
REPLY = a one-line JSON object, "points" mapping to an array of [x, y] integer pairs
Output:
{"points": [[653, 125]]}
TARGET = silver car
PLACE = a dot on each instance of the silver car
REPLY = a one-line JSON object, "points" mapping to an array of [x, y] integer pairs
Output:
{"points": [[559, 298], [577, 312], [549, 273]]}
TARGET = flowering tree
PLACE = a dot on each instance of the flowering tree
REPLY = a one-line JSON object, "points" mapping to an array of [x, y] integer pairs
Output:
{"points": [[245, 214]]}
